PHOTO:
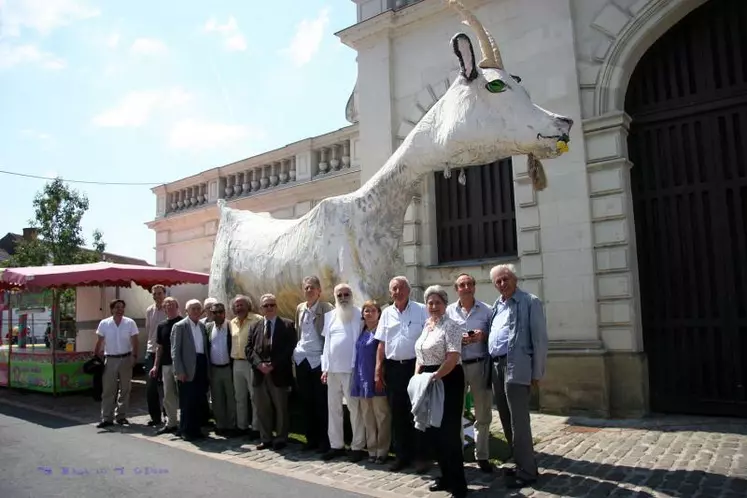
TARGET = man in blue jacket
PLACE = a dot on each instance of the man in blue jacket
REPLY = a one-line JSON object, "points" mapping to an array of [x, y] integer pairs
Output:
{"points": [[517, 345]]}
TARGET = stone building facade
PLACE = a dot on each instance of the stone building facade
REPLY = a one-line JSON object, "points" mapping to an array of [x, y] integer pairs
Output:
{"points": [[590, 246]]}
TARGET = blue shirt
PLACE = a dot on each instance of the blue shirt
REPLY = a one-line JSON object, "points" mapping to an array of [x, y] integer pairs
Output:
{"points": [[362, 383], [499, 330], [478, 318]]}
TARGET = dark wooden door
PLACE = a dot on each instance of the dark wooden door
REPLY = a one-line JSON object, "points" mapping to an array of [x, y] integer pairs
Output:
{"points": [[688, 144]]}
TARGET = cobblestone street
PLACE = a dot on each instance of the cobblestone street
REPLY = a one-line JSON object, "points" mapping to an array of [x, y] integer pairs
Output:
{"points": [[665, 456]]}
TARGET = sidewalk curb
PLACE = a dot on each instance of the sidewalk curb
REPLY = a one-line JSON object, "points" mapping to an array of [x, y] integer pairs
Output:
{"points": [[269, 468]]}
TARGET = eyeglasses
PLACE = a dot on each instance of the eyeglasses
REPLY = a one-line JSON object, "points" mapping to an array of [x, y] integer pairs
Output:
{"points": [[343, 294], [269, 305], [218, 312]]}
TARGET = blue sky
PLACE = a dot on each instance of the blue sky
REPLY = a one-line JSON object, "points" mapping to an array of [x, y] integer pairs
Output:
{"points": [[150, 91]]}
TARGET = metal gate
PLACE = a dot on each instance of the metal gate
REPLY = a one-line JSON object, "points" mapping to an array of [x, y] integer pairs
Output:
{"points": [[688, 144]]}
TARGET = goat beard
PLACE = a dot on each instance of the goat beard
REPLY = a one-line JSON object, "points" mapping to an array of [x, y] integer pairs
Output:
{"points": [[344, 311]]}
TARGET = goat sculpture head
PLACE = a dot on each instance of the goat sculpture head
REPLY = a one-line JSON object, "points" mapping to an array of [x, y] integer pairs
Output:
{"points": [[487, 115]]}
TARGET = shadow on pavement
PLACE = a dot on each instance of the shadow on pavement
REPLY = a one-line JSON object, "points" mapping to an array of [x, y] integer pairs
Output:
{"points": [[666, 423], [605, 478], [38, 418]]}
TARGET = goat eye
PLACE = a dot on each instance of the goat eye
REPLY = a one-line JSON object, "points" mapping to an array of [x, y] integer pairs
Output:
{"points": [[496, 86]]}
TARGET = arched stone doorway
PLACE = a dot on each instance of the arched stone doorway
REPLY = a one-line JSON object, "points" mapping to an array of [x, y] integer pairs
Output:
{"points": [[687, 99]]}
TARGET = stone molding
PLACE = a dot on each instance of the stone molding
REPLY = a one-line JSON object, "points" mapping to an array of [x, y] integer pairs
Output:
{"points": [[620, 36]]}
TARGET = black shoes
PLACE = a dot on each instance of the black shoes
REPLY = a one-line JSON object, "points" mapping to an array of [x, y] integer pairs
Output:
{"points": [[104, 424], [485, 466], [333, 453]]}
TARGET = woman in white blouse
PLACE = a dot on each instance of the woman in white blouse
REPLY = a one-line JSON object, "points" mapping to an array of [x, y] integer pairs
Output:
{"points": [[439, 350]]}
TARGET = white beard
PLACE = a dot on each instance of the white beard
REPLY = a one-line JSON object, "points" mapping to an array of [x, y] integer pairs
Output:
{"points": [[344, 312]]}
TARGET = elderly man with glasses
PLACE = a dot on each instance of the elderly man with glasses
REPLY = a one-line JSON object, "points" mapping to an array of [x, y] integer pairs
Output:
{"points": [[517, 344], [342, 326], [269, 349]]}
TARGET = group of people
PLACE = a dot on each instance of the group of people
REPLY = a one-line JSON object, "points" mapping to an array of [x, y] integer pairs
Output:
{"points": [[403, 372]]}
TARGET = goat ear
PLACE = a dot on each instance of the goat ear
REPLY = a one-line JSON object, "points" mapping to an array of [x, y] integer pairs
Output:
{"points": [[462, 46]]}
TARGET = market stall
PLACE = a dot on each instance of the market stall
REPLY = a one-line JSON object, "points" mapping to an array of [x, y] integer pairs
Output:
{"points": [[57, 366]]}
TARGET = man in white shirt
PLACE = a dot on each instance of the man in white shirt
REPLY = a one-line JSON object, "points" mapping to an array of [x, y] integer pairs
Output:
{"points": [[117, 341], [189, 347], [342, 326], [221, 378], [399, 328]]}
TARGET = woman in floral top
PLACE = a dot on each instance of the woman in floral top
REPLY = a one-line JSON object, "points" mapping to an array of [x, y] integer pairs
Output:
{"points": [[373, 402], [439, 350]]}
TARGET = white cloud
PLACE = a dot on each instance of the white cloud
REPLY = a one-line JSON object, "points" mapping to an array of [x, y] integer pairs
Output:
{"points": [[149, 46], [36, 134], [136, 108], [43, 16], [307, 39], [14, 55], [200, 135], [113, 40], [233, 39]]}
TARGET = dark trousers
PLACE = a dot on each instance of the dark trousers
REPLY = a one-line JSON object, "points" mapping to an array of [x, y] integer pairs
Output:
{"points": [[152, 396], [98, 384], [446, 441], [313, 396], [407, 441], [192, 395]]}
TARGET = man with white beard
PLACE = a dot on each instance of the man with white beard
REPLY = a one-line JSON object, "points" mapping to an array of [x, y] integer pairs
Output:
{"points": [[342, 326]]}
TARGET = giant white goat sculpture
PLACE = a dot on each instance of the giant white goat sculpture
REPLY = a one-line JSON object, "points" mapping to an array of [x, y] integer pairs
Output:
{"points": [[486, 115]]}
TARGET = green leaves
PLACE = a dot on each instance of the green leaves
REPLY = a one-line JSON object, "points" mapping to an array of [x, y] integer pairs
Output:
{"points": [[58, 211]]}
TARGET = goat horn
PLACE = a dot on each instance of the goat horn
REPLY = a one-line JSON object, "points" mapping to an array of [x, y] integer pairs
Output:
{"points": [[491, 56]]}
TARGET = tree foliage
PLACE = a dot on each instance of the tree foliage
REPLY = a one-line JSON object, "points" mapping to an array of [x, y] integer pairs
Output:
{"points": [[58, 211]]}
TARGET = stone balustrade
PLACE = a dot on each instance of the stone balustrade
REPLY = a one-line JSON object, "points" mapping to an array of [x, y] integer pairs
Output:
{"points": [[321, 157]]}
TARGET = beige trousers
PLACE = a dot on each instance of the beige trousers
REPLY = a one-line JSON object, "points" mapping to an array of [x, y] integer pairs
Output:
{"points": [[242, 385], [338, 388], [170, 396], [117, 373], [482, 395], [378, 424], [223, 398]]}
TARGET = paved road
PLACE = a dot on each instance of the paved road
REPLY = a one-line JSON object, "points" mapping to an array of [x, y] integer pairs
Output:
{"points": [[44, 456]]}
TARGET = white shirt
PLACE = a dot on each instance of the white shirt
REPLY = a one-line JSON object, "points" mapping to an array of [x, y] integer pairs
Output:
{"points": [[197, 336], [310, 346], [117, 337], [399, 330], [219, 345], [339, 341]]}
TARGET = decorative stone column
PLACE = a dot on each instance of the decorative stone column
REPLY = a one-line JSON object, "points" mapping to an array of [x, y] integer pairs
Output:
{"points": [[274, 179], [284, 166], [410, 247], [229, 186], [172, 201], [238, 185], [615, 256], [246, 187], [265, 180], [346, 154], [255, 180], [323, 164], [193, 196], [292, 169], [335, 161]]}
